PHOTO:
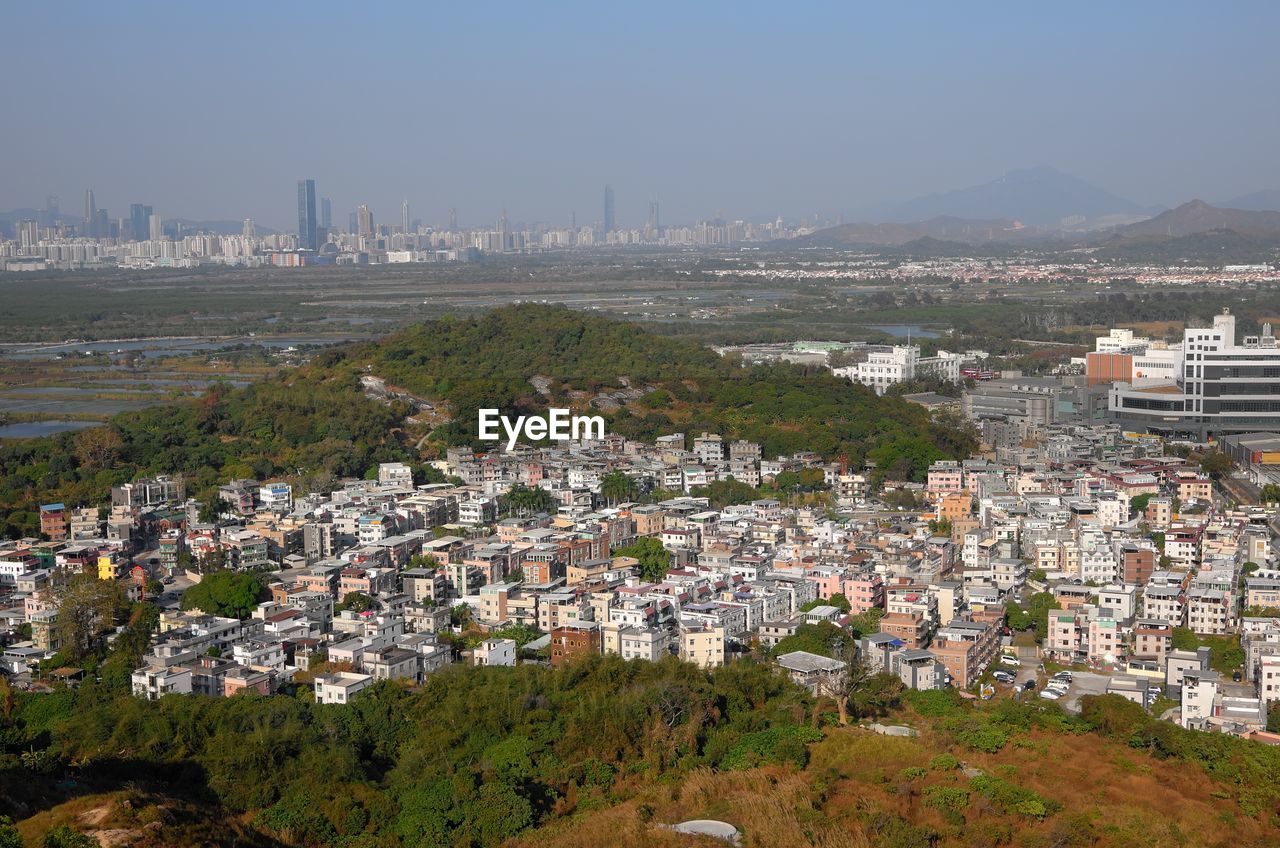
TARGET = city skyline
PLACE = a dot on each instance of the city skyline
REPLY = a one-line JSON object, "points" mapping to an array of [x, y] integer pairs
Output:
{"points": [[828, 111]]}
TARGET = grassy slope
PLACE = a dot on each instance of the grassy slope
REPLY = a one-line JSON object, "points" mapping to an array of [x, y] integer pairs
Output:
{"points": [[854, 788]]}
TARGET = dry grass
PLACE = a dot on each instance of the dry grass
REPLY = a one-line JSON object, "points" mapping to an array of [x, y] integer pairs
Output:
{"points": [[1111, 797], [773, 808]]}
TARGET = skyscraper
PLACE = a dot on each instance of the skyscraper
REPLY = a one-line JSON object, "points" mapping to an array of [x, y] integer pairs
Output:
{"points": [[90, 215], [364, 220], [654, 222], [404, 216], [249, 230], [608, 209], [140, 222], [307, 215], [326, 213]]}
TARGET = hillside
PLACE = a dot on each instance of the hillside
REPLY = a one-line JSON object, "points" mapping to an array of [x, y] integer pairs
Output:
{"points": [[315, 424], [604, 751], [1196, 216]]}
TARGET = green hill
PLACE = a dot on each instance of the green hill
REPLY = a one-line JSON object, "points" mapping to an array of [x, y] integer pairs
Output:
{"points": [[314, 424], [602, 751]]}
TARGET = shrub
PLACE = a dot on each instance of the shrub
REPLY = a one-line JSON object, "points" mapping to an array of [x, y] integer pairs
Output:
{"points": [[780, 744], [944, 762], [1012, 798]]}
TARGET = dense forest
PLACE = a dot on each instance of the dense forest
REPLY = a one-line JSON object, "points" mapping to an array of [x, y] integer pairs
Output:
{"points": [[674, 385], [313, 424], [601, 750]]}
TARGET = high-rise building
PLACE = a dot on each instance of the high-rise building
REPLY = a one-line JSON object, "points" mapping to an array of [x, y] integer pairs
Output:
{"points": [[326, 213], [364, 220], [90, 215], [51, 213], [453, 219], [140, 221], [249, 230], [608, 209], [155, 228], [404, 216], [654, 223], [102, 225], [307, 239], [28, 234]]}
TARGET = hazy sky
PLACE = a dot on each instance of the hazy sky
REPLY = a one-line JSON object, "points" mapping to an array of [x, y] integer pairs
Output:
{"points": [[214, 110]]}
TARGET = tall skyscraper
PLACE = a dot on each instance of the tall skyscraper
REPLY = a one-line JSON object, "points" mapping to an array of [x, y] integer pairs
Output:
{"points": [[608, 209], [249, 230], [364, 220], [140, 222], [90, 215], [307, 215], [453, 219], [654, 222], [155, 227], [326, 213], [404, 216]]}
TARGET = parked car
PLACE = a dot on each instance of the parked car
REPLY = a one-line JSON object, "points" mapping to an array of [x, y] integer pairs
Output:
{"points": [[1003, 676], [1029, 686], [1049, 694], [1009, 660]]}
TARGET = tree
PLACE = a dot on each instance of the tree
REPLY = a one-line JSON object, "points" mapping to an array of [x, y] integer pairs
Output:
{"points": [[872, 695], [824, 639], [523, 500], [234, 594], [1038, 607], [355, 602], [1273, 717], [617, 487], [98, 447], [1138, 503], [87, 608], [1217, 464], [9, 836], [727, 492], [1270, 493], [1017, 618], [653, 559], [866, 622], [212, 507]]}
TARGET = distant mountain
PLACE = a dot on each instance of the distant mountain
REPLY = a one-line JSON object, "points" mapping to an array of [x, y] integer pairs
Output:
{"points": [[1043, 197], [941, 229], [1258, 201], [1197, 216]]}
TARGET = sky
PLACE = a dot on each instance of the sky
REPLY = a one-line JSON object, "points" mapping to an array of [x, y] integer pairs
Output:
{"points": [[215, 110]]}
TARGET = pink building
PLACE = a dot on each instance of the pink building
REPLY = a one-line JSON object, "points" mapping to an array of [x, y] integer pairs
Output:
{"points": [[864, 592], [945, 476]]}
